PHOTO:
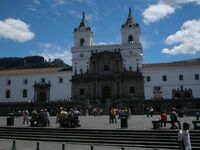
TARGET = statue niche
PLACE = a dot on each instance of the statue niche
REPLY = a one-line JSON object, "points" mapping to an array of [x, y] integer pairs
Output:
{"points": [[181, 93]]}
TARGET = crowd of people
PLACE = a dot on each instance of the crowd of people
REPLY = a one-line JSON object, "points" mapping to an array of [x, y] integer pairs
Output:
{"points": [[40, 119], [163, 118], [69, 119], [123, 113]]}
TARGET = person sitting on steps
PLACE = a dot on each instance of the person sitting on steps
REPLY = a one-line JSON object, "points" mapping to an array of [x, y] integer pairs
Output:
{"points": [[174, 119]]}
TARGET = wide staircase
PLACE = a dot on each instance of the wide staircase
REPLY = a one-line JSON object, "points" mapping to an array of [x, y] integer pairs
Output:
{"points": [[158, 139]]}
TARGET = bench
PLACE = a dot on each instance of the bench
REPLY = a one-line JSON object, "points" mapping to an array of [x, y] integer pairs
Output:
{"points": [[195, 123], [157, 123]]}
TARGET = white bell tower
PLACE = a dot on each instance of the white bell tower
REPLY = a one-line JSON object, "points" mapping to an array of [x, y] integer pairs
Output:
{"points": [[83, 41], [130, 34], [130, 31], [83, 36]]}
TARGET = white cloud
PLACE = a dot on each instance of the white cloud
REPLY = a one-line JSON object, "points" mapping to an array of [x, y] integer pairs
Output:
{"points": [[173, 2], [162, 9], [157, 12], [15, 29], [52, 51], [186, 39]]}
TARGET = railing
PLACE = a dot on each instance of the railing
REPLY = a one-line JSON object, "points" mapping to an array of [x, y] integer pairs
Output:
{"points": [[91, 146]]}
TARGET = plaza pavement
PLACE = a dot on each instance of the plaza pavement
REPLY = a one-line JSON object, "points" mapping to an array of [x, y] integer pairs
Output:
{"points": [[136, 122]]}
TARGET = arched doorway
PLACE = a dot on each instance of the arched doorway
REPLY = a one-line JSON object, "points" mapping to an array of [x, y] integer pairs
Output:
{"points": [[106, 95]]}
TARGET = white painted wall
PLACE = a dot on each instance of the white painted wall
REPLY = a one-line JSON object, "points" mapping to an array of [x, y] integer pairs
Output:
{"points": [[172, 82], [57, 90]]}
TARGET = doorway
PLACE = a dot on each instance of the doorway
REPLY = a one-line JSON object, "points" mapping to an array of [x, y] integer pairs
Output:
{"points": [[42, 92], [42, 96], [106, 94]]}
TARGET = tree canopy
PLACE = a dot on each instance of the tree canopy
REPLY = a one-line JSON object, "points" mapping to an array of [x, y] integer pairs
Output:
{"points": [[30, 62]]}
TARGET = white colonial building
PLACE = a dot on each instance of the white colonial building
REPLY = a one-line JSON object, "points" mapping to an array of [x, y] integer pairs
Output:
{"points": [[172, 80], [35, 85]]}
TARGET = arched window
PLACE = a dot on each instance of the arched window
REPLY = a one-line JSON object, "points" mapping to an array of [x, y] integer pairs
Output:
{"points": [[81, 42], [130, 39], [24, 93], [8, 94]]}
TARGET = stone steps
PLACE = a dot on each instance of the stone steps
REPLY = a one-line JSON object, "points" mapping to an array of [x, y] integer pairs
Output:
{"points": [[165, 139]]}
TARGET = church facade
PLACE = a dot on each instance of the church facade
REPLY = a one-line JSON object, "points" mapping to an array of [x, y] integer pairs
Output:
{"points": [[105, 73]]}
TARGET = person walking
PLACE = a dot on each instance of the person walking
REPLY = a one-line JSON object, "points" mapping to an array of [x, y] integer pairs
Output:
{"points": [[47, 117], [151, 111], [184, 142], [58, 114], [25, 115]]}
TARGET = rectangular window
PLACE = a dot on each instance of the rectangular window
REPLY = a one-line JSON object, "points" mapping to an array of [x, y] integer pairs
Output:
{"points": [[164, 78], [180, 77], [81, 91], [106, 68], [8, 82], [132, 90], [148, 79], [196, 76], [60, 80], [25, 81]]}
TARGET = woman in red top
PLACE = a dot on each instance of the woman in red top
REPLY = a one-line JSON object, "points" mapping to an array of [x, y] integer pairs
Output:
{"points": [[163, 118]]}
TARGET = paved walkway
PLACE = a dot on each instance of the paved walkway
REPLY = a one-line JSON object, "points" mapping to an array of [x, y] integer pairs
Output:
{"points": [[139, 122]]}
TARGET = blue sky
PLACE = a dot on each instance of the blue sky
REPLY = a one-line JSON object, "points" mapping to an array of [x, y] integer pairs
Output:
{"points": [[170, 29]]}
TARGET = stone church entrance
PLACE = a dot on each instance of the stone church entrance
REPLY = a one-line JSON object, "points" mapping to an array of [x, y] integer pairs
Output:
{"points": [[106, 94]]}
